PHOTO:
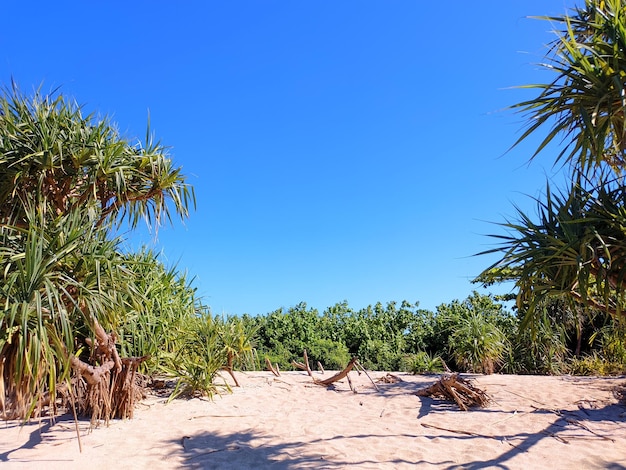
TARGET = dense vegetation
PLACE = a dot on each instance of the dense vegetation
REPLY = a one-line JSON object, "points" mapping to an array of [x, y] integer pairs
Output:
{"points": [[477, 334]]}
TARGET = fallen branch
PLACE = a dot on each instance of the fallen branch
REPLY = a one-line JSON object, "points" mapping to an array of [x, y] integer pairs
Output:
{"points": [[456, 431], [574, 422], [389, 379], [468, 433]]}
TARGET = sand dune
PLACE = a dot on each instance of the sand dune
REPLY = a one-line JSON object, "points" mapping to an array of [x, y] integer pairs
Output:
{"points": [[288, 422]]}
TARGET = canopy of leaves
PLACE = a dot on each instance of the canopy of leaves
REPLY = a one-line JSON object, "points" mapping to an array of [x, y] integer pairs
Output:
{"points": [[53, 156]]}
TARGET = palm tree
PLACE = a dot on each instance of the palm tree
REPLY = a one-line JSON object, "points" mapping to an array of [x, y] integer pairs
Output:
{"points": [[585, 104], [66, 181], [577, 248], [51, 152]]}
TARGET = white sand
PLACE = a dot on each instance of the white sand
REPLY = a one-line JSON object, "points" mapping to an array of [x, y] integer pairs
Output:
{"points": [[534, 422]]}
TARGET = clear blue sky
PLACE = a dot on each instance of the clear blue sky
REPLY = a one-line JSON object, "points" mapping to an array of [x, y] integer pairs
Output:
{"points": [[340, 150]]}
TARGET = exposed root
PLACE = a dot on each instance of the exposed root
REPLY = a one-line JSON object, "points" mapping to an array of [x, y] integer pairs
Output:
{"points": [[110, 388]]}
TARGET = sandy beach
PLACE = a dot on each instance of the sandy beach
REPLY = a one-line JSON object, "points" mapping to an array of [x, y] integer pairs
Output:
{"points": [[288, 422]]}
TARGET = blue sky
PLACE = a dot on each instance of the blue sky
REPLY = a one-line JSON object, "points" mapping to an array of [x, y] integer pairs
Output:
{"points": [[351, 150]]}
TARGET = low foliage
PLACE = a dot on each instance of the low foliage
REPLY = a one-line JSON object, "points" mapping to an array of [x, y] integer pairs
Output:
{"points": [[198, 358], [477, 334]]}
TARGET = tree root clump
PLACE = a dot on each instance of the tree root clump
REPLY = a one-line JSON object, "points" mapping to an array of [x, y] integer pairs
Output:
{"points": [[109, 388], [457, 389]]}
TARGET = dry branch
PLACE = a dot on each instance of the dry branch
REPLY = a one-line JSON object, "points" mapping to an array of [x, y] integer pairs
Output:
{"points": [[359, 366], [467, 433], [303, 365], [271, 368], [337, 376], [306, 363], [574, 422], [456, 389], [389, 379]]}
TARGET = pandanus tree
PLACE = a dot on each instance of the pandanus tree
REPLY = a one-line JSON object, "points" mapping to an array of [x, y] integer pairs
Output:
{"points": [[67, 181], [576, 248]]}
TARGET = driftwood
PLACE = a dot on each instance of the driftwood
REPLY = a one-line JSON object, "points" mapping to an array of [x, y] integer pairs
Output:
{"points": [[274, 369], [573, 422], [457, 389], [353, 364], [303, 365], [338, 376], [468, 433]]}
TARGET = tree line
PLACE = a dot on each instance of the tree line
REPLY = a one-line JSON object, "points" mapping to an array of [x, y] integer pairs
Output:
{"points": [[477, 334]]}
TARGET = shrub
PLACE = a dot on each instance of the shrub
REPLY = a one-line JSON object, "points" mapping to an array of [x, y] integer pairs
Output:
{"points": [[331, 354], [421, 363]]}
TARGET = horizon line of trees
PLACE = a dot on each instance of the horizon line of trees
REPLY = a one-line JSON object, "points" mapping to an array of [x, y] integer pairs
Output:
{"points": [[477, 334]]}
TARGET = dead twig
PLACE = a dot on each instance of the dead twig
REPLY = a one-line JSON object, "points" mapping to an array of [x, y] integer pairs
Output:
{"points": [[574, 422], [468, 433], [358, 364], [389, 379], [303, 365], [271, 368]]}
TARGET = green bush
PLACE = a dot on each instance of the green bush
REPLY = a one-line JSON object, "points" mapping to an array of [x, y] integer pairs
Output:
{"points": [[472, 332], [197, 362], [477, 345], [376, 354], [422, 363], [331, 354], [595, 364]]}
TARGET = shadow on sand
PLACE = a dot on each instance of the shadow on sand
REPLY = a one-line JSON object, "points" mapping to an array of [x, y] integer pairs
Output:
{"points": [[248, 450], [565, 421], [38, 430]]}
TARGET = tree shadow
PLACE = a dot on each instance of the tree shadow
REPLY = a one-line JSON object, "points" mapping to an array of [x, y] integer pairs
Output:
{"points": [[40, 430], [247, 450], [566, 421]]}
